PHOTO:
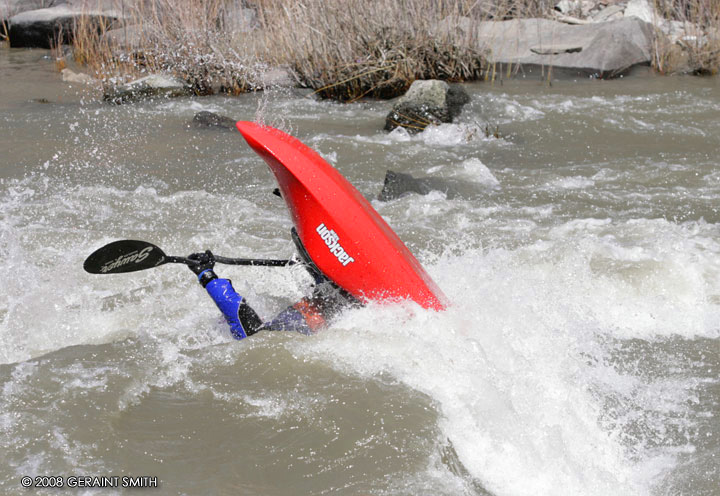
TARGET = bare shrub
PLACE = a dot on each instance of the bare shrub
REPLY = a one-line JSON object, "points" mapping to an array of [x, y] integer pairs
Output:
{"points": [[342, 49], [699, 48], [510, 9], [346, 49], [187, 38]]}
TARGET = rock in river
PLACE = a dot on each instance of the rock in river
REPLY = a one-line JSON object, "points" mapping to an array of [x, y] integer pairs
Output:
{"points": [[427, 102], [602, 49], [205, 119], [399, 184], [70, 76], [40, 28], [149, 86]]}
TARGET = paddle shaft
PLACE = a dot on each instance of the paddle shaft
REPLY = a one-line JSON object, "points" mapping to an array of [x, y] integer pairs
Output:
{"points": [[260, 262]]}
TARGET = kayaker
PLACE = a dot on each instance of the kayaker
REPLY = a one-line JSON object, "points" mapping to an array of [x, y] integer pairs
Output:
{"points": [[307, 316]]}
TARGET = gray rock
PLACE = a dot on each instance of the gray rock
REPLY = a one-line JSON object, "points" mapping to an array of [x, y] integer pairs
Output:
{"points": [[609, 13], [9, 8], [426, 102], [399, 184], [206, 119], [642, 10], [155, 85], [431, 92], [40, 28], [676, 31], [605, 50], [575, 7], [71, 77]]}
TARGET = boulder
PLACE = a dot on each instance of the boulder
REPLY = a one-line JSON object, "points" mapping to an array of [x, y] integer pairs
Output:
{"points": [[40, 28], [604, 50], [155, 85], [9, 8], [642, 10], [205, 119], [427, 102], [579, 8], [609, 13], [71, 77], [399, 184], [680, 32]]}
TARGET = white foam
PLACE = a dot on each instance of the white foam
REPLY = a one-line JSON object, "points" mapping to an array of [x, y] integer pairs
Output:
{"points": [[474, 170], [517, 363], [442, 135], [515, 110], [575, 182], [39, 313]]}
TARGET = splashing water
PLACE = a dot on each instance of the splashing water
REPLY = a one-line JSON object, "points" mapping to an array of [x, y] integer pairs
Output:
{"points": [[579, 355]]}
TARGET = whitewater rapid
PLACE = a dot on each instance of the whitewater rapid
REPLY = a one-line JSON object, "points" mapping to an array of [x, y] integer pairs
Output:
{"points": [[579, 355]]}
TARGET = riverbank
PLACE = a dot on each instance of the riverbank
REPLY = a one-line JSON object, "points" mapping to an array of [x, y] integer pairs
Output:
{"points": [[346, 51]]}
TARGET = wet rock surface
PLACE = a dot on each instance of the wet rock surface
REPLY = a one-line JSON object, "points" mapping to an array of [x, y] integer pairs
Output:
{"points": [[399, 184], [72, 77], [155, 85], [205, 120], [427, 102]]}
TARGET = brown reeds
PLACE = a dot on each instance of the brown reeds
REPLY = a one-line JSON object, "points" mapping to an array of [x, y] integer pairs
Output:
{"points": [[342, 49], [191, 39], [57, 52], [345, 49], [697, 47], [194, 40]]}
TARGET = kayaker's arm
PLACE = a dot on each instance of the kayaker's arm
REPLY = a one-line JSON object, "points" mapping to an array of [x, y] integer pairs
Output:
{"points": [[241, 318], [303, 317]]}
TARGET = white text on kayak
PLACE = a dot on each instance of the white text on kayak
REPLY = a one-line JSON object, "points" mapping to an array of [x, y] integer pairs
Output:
{"points": [[332, 240]]}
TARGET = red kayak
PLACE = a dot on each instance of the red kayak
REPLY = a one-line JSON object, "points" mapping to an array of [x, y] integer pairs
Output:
{"points": [[343, 234]]}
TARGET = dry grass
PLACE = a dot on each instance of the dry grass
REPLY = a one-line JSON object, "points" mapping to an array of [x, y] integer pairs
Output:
{"points": [[346, 49], [510, 9], [699, 49], [189, 38], [342, 49]]}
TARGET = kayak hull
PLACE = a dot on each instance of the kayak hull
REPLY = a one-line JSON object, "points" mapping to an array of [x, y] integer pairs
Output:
{"points": [[342, 233]]}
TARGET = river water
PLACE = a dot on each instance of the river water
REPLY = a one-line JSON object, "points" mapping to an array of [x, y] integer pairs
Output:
{"points": [[580, 251]]}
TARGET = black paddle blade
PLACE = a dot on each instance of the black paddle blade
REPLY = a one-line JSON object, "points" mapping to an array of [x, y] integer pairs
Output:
{"points": [[126, 255]]}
